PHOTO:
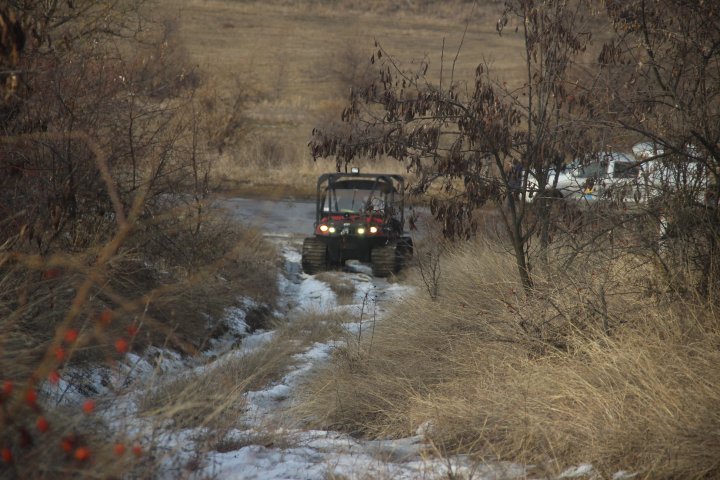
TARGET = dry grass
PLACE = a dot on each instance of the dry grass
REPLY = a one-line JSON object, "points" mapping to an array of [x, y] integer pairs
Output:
{"points": [[342, 286], [214, 397], [296, 61], [271, 166], [305, 329], [448, 9], [171, 282], [589, 369], [210, 269]]}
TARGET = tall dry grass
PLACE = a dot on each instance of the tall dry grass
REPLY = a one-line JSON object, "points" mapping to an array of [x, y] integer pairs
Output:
{"points": [[429, 8], [589, 368]]}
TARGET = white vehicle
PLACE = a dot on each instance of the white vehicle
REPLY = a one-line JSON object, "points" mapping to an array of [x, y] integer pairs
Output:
{"points": [[630, 179], [603, 175], [648, 151], [564, 179], [607, 176]]}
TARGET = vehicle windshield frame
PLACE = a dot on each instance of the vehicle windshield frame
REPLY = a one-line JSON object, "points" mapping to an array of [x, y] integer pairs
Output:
{"points": [[353, 200]]}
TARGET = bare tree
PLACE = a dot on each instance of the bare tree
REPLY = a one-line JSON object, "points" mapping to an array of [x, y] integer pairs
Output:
{"points": [[486, 145], [662, 75], [130, 91]]}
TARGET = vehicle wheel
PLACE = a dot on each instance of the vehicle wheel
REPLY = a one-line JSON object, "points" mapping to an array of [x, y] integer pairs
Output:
{"points": [[384, 260], [314, 256]]}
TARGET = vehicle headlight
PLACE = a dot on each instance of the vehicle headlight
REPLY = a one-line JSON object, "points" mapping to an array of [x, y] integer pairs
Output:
{"points": [[324, 228], [331, 229], [361, 231], [373, 229]]}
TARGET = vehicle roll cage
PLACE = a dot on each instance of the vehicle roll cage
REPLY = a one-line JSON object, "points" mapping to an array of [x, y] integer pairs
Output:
{"points": [[393, 183]]}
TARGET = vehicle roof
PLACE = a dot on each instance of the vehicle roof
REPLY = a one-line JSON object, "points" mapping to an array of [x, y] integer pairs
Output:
{"points": [[647, 150], [365, 184], [612, 156]]}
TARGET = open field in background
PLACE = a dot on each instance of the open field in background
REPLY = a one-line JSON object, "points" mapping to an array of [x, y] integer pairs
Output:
{"points": [[294, 63]]}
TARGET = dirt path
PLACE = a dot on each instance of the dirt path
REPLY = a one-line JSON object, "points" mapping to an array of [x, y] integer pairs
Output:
{"points": [[268, 442], [298, 453]]}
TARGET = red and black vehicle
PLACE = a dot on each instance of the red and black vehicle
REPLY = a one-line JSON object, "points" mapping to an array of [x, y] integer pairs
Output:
{"points": [[358, 216]]}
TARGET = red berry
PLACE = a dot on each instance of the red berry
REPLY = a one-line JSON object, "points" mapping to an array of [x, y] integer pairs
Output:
{"points": [[119, 449], [121, 345], [82, 454], [71, 335], [42, 424], [54, 377], [88, 406], [7, 388], [137, 450], [7, 456], [132, 330], [31, 397], [59, 354], [106, 316]]}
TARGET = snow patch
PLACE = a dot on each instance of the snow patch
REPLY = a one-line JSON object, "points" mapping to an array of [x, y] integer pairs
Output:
{"points": [[292, 255], [318, 455], [583, 470], [314, 295]]}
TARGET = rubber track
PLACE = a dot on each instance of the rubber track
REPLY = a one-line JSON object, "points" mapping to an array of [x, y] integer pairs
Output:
{"points": [[314, 256], [384, 261]]}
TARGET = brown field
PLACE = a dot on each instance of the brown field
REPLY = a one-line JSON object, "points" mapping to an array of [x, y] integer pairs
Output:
{"points": [[293, 60]]}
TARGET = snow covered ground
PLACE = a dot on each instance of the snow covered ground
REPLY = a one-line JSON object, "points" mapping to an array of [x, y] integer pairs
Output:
{"points": [[312, 454], [297, 453], [293, 452]]}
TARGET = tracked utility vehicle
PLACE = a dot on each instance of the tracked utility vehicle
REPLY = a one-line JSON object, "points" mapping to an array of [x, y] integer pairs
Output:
{"points": [[358, 216]]}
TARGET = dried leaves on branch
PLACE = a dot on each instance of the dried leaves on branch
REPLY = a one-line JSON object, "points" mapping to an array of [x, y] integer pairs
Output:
{"points": [[479, 143], [661, 72]]}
